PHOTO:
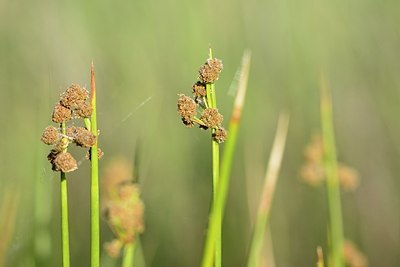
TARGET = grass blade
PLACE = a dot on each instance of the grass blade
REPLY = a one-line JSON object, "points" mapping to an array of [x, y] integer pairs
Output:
{"points": [[267, 194], [332, 180]]}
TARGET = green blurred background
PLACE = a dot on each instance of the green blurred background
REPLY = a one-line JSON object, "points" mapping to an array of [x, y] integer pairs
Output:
{"points": [[145, 53]]}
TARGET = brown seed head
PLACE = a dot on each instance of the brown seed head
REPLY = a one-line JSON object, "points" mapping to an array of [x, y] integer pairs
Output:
{"points": [[210, 71], [220, 135], [50, 135], [113, 248], [186, 107], [199, 89], [64, 162], [74, 96], [61, 114], [312, 174], [84, 110], [83, 137], [314, 151], [211, 117], [100, 154], [353, 256], [348, 177]]}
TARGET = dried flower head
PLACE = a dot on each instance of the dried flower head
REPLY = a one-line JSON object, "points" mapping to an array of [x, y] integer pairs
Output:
{"points": [[64, 162], [74, 96], [186, 107], [84, 110], [312, 174], [348, 177], [314, 151], [210, 71], [220, 135], [353, 256], [50, 135], [82, 136], [113, 248], [61, 114], [211, 117], [100, 154], [199, 90]]}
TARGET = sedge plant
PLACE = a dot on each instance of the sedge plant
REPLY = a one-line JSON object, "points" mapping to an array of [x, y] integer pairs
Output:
{"points": [[205, 99], [73, 105]]}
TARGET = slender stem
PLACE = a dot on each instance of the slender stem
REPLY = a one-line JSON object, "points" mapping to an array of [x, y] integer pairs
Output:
{"points": [[218, 204], [267, 195], [129, 254], [94, 188], [64, 214], [332, 180]]}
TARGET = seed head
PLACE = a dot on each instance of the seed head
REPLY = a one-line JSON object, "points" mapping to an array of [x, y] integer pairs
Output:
{"points": [[348, 177], [84, 110], [211, 117], [113, 248], [199, 90], [50, 135], [220, 135], [81, 136], [64, 162], [186, 107], [210, 71], [74, 96], [100, 154], [61, 113]]}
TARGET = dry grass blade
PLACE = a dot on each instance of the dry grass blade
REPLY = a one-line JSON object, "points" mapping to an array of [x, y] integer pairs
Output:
{"points": [[267, 194]]}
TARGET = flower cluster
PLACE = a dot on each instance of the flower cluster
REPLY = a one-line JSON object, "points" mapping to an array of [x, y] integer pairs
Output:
{"points": [[73, 104], [122, 206], [188, 107], [312, 171]]}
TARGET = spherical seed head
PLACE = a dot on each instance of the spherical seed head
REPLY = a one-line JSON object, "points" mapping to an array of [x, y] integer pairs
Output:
{"points": [[50, 135], [199, 89], [64, 162], [186, 107], [84, 110], [210, 71], [220, 135], [348, 177], [83, 137], [100, 154], [74, 96], [113, 248], [211, 117], [61, 114], [312, 174]]}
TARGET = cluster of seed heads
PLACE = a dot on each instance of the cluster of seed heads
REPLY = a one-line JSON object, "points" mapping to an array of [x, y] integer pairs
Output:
{"points": [[188, 107], [73, 104]]}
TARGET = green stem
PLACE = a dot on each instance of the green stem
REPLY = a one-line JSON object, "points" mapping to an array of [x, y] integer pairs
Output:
{"points": [[64, 214], [129, 254], [94, 188], [218, 204], [332, 180]]}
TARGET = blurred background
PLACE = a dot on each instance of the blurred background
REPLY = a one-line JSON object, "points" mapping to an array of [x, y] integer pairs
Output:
{"points": [[147, 52]]}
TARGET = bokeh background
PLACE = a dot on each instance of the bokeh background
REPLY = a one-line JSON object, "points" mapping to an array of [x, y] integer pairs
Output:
{"points": [[145, 53]]}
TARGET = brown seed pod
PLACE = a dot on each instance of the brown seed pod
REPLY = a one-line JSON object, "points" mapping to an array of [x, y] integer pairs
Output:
{"points": [[81, 136], [186, 107], [50, 135], [64, 162], [74, 96], [210, 71], [100, 154], [84, 110], [220, 135], [199, 90], [211, 117], [61, 114]]}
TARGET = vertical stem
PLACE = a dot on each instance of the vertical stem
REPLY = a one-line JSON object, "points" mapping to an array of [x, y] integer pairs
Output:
{"points": [[94, 188], [129, 254], [332, 180], [64, 214]]}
